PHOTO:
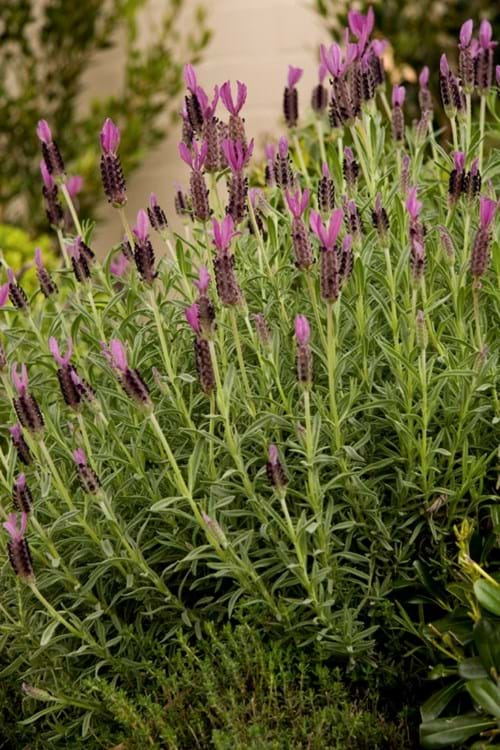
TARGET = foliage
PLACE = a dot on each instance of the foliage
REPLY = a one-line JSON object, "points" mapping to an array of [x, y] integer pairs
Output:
{"points": [[17, 249], [468, 638], [46, 50], [229, 690], [178, 513]]}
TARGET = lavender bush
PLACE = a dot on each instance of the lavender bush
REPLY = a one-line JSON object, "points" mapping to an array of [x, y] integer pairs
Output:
{"points": [[280, 419]]}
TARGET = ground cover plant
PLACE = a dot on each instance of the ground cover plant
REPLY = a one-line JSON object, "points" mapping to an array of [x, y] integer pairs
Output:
{"points": [[284, 420]]}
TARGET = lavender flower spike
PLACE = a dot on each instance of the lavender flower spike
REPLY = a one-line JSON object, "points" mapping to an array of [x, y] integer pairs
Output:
{"points": [[223, 233], [413, 206], [16, 293], [327, 235], [297, 204], [156, 215], [398, 122], [70, 392], [290, 97], [275, 470], [302, 330], [326, 190], [304, 357], [144, 255], [192, 316], [88, 478], [47, 284], [20, 444], [233, 107], [112, 177], [236, 126], [130, 379], [110, 137], [61, 360], [21, 495], [50, 150], [17, 547], [481, 248]]}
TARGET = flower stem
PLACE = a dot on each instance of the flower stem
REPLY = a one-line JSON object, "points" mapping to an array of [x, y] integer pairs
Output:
{"points": [[331, 352], [72, 210], [241, 361]]}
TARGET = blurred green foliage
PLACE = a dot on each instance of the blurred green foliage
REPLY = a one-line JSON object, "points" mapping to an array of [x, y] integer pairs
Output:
{"points": [[46, 49], [17, 249]]}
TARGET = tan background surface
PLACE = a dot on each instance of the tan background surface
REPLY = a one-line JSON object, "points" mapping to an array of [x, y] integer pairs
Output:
{"points": [[253, 41]]}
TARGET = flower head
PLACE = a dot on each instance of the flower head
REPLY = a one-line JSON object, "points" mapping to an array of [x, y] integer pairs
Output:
{"points": [[443, 65], [110, 137], [234, 108], [302, 330], [379, 46], [80, 457], [193, 317], [119, 265], [208, 107], [294, 76], [423, 78], [16, 534], [283, 147], [118, 355], [361, 26], [297, 202], [223, 232], [141, 229], [398, 96], [20, 381], [486, 35], [4, 293], [16, 431], [74, 185], [487, 209], [466, 33], [190, 78], [203, 281], [46, 176], [237, 155], [413, 206], [196, 157], [62, 361], [459, 160], [43, 132], [327, 235], [332, 59]]}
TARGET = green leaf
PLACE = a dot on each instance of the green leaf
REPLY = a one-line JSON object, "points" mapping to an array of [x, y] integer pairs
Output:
{"points": [[436, 704], [487, 640], [488, 596], [453, 731], [472, 669], [48, 633], [487, 694]]}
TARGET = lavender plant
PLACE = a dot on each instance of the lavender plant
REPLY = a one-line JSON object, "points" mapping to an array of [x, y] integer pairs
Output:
{"points": [[275, 418]]}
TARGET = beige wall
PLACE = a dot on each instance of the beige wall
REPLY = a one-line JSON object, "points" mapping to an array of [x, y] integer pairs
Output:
{"points": [[254, 41]]}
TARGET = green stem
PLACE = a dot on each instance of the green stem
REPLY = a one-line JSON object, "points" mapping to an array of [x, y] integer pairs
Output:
{"points": [[482, 120], [477, 314], [331, 352], [81, 634], [321, 140], [241, 361], [72, 210], [167, 361], [300, 157]]}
